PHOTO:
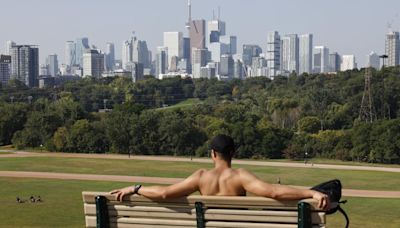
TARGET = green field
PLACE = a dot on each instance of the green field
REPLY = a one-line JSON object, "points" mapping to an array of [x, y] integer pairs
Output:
{"points": [[186, 104], [62, 205], [367, 180]]}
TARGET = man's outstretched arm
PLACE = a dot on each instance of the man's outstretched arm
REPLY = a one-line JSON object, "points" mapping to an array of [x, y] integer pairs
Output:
{"points": [[280, 192], [184, 188]]}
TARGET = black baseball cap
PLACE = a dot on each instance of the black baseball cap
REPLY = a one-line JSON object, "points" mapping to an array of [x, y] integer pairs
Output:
{"points": [[223, 144]]}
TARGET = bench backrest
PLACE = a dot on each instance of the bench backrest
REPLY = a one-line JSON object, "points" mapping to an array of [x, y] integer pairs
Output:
{"points": [[101, 210]]}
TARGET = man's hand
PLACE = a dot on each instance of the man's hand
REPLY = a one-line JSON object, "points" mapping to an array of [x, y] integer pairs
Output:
{"points": [[120, 193], [323, 200]]}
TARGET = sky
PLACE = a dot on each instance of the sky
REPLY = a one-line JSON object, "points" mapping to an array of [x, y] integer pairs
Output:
{"points": [[344, 26]]}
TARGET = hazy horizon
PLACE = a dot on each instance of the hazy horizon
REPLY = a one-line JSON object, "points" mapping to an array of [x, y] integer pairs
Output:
{"points": [[345, 27]]}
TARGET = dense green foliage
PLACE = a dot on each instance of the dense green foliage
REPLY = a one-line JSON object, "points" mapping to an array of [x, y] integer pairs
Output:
{"points": [[287, 117]]}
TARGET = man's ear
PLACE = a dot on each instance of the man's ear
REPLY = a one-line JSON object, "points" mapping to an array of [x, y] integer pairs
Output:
{"points": [[213, 153]]}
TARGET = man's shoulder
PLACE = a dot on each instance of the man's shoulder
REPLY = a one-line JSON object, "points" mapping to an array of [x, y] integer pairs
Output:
{"points": [[242, 171]]}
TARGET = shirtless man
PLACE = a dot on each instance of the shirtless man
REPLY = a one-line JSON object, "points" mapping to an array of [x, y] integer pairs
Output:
{"points": [[223, 181]]}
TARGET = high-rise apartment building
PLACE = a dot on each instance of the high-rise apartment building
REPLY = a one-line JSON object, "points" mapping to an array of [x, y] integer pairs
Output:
{"points": [[373, 60], [69, 54], [110, 57], [334, 62], [290, 53], [321, 59], [305, 53], [52, 65], [81, 45], [25, 64], [273, 53], [348, 63], [174, 42], [5, 69], [93, 63], [250, 51], [393, 48]]}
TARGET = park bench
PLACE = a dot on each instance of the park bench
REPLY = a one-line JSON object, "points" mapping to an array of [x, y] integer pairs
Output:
{"points": [[102, 210]]}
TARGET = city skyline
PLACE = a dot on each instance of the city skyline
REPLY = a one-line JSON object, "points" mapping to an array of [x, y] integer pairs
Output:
{"points": [[332, 23]]}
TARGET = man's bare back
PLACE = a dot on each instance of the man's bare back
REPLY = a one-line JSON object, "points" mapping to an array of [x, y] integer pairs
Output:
{"points": [[223, 181]]}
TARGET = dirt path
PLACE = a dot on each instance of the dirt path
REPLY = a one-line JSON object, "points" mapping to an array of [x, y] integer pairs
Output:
{"points": [[163, 180], [201, 160]]}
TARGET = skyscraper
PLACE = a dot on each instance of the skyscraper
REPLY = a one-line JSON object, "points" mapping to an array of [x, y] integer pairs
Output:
{"points": [[81, 45], [231, 43], [161, 61], [140, 52], [348, 63], [52, 65], [9, 45], [137, 71], [110, 56], [174, 42], [393, 48], [238, 69], [25, 64], [5, 69], [70, 55], [305, 53], [186, 48], [226, 66], [273, 53], [334, 62], [321, 59], [373, 60], [290, 53], [250, 51], [199, 59], [126, 53], [93, 63], [197, 34], [216, 29]]}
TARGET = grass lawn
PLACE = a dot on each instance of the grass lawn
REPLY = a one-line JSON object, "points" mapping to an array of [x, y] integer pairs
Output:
{"points": [[367, 180], [186, 104], [62, 205]]}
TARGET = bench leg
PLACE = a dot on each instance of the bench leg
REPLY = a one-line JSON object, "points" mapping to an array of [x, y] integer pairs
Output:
{"points": [[102, 220], [200, 215], [304, 215]]}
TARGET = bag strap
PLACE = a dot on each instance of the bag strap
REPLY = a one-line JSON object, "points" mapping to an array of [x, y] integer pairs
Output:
{"points": [[345, 216]]}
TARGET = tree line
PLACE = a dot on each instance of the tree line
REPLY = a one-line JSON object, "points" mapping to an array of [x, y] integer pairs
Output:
{"points": [[292, 117]]}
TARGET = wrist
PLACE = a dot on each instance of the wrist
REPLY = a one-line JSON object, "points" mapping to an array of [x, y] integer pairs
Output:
{"points": [[136, 189]]}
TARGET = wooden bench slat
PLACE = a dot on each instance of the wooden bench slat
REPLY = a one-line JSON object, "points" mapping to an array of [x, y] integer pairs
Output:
{"points": [[219, 212], [90, 221], [88, 197], [172, 222], [247, 225], [210, 214], [124, 225]]}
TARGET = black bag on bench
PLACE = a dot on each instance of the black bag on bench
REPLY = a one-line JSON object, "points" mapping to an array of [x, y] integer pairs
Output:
{"points": [[333, 189]]}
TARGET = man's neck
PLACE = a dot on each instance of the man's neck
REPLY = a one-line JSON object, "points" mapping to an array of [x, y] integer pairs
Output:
{"points": [[221, 164]]}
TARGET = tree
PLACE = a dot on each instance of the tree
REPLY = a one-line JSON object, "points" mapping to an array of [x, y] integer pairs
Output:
{"points": [[309, 124], [12, 119]]}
